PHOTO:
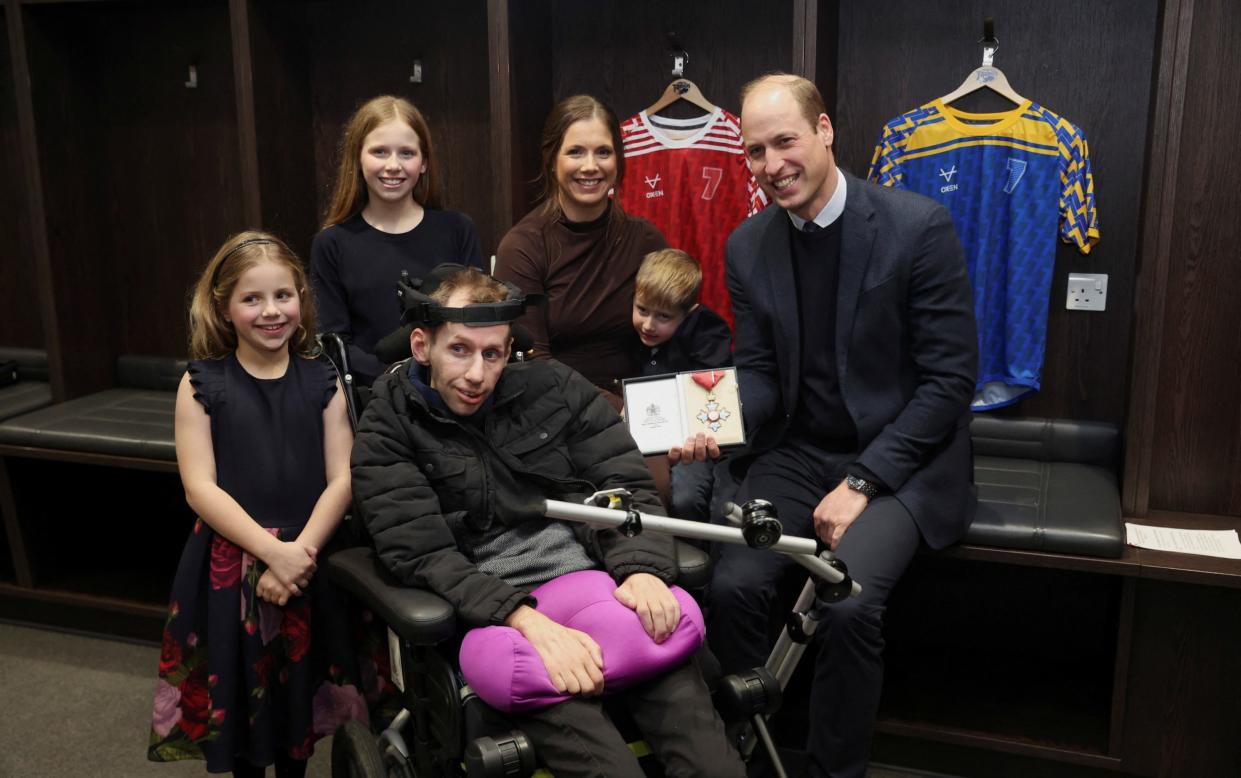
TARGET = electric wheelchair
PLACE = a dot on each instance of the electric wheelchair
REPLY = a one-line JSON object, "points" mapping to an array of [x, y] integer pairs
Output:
{"points": [[442, 729]]}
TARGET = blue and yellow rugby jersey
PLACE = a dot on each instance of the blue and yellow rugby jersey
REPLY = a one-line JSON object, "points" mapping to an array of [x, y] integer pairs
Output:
{"points": [[1012, 181]]}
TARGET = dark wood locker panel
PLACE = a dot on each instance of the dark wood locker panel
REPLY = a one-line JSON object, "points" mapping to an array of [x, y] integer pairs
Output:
{"points": [[1196, 422], [315, 63], [1093, 64], [20, 322], [974, 654], [271, 42], [137, 129], [619, 52]]}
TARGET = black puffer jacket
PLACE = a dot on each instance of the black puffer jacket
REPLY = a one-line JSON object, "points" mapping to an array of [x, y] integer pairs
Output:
{"points": [[548, 435]]}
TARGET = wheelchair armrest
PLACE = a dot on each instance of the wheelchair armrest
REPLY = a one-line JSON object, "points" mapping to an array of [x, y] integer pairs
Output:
{"points": [[694, 566], [419, 616]]}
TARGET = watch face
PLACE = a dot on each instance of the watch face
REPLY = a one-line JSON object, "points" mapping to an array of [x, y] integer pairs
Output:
{"points": [[860, 485]]}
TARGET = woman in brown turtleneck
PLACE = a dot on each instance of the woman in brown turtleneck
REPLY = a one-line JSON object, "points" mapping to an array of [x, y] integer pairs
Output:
{"points": [[580, 249]]}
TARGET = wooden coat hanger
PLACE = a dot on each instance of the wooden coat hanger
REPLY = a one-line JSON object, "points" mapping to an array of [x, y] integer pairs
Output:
{"points": [[988, 76], [680, 89]]}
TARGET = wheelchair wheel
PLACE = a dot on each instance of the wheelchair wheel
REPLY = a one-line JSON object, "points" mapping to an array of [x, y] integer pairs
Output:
{"points": [[355, 754], [396, 765]]}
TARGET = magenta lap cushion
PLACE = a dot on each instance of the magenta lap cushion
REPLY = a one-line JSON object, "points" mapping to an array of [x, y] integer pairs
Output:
{"points": [[506, 672]]}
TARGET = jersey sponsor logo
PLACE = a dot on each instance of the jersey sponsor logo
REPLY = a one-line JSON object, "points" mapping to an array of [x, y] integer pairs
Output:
{"points": [[652, 183], [947, 176], [1016, 169]]}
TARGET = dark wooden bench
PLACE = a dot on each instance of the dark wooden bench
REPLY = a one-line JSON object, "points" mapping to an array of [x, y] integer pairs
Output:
{"points": [[128, 427], [1042, 644]]}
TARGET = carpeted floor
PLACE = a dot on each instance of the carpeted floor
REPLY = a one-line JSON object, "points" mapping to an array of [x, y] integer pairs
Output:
{"points": [[81, 706], [73, 705]]}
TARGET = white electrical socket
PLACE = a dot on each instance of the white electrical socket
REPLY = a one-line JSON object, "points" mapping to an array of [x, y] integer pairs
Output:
{"points": [[1087, 292]]}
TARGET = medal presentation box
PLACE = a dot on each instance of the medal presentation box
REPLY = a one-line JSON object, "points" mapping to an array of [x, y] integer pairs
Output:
{"points": [[662, 411]]}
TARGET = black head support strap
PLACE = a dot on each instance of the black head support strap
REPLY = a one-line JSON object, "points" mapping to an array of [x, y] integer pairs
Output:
{"points": [[421, 310]]}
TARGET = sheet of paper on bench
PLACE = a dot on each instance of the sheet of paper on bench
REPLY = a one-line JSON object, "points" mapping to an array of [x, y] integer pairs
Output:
{"points": [[1222, 543]]}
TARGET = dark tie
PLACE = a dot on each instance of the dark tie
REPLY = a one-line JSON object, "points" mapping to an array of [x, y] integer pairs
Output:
{"points": [[810, 227]]}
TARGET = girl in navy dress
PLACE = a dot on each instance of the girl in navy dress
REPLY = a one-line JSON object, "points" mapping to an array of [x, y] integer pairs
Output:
{"points": [[384, 218], [256, 662]]}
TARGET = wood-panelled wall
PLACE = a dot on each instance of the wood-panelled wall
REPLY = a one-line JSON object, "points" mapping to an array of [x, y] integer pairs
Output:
{"points": [[1185, 423], [139, 172], [316, 62], [1090, 62], [141, 178], [617, 50], [19, 320], [359, 51]]}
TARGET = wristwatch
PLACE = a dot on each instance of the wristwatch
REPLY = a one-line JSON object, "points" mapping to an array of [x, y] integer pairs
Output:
{"points": [[863, 486]]}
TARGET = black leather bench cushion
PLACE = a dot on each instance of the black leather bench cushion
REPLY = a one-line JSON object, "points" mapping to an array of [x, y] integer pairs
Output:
{"points": [[1046, 485], [32, 390], [1047, 440], [135, 420], [1062, 507], [31, 363], [24, 397], [118, 422]]}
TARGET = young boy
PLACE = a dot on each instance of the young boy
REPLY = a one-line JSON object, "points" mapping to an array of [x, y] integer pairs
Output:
{"points": [[679, 334]]}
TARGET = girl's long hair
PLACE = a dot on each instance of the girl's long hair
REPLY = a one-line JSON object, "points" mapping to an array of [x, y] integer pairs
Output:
{"points": [[349, 192]]}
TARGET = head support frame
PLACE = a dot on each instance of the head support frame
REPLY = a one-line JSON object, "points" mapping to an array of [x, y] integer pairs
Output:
{"points": [[420, 310]]}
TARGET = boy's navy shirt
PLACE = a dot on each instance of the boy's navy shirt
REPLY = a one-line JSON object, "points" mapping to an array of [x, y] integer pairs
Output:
{"points": [[703, 341]]}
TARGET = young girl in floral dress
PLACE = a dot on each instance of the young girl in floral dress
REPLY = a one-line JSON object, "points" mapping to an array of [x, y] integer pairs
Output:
{"points": [[256, 662]]}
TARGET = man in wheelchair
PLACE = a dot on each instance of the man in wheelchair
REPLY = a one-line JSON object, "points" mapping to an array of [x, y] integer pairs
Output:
{"points": [[453, 458]]}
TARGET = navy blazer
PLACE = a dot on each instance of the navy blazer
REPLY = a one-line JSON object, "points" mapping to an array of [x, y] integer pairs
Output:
{"points": [[906, 345]]}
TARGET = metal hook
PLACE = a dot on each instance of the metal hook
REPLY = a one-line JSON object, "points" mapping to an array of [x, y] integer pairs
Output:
{"points": [[679, 61], [990, 43], [988, 53], [192, 83], [680, 58], [415, 76]]}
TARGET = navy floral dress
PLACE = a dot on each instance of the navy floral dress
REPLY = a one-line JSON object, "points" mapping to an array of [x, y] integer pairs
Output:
{"points": [[237, 675]]}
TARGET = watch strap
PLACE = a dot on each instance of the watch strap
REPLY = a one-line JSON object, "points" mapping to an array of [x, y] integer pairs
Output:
{"points": [[858, 484]]}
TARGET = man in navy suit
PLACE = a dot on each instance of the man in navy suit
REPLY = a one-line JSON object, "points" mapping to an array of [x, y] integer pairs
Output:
{"points": [[856, 351]]}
